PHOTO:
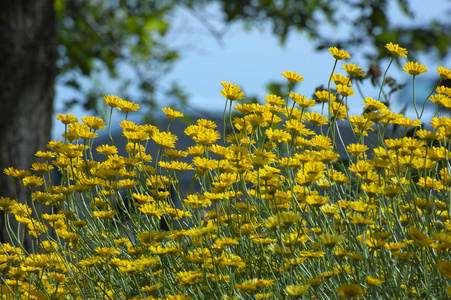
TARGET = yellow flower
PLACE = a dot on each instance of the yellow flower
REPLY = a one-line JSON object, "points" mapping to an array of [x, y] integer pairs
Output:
{"points": [[338, 110], [67, 118], [177, 297], [33, 181], [274, 100], [165, 139], [53, 217], [244, 109], [231, 91], [339, 54], [206, 136], [356, 149], [248, 285], [445, 73], [278, 135], [330, 210], [158, 250], [296, 290], [107, 149], [360, 220], [106, 252], [45, 155], [175, 165], [315, 118], [151, 209], [172, 114], [104, 214], [226, 241], [374, 280], [292, 77], [321, 142], [448, 290], [129, 106], [197, 201], [361, 167], [12, 172], [444, 267], [41, 167], [325, 96], [414, 68], [297, 128], [443, 90], [441, 100], [127, 183], [113, 101], [418, 237], [330, 240], [263, 295], [353, 70], [340, 79], [197, 150], [175, 154], [345, 90], [427, 135], [204, 164], [136, 136], [316, 200], [151, 288], [351, 291], [206, 123], [394, 246], [372, 105], [395, 50]]}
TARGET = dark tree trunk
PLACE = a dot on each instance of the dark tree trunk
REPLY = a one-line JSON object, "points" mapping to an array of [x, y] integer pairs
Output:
{"points": [[28, 54]]}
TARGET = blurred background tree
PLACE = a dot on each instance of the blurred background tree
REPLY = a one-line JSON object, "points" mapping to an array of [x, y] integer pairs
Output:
{"points": [[72, 42], [363, 23]]}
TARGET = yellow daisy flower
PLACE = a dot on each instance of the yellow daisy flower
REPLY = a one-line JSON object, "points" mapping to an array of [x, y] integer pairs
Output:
{"points": [[350, 291], [444, 267], [171, 114], [296, 290], [231, 91], [67, 118], [129, 106], [444, 73], [345, 90], [113, 101], [339, 54], [395, 50], [353, 70], [292, 77], [325, 96], [414, 68]]}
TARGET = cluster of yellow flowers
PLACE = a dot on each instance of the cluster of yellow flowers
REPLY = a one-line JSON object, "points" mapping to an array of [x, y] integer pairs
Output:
{"points": [[274, 211]]}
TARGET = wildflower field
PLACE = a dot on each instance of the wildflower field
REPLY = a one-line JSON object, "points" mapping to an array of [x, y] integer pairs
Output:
{"points": [[273, 211]]}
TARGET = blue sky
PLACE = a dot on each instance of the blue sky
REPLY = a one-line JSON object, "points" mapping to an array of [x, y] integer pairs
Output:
{"points": [[253, 58]]}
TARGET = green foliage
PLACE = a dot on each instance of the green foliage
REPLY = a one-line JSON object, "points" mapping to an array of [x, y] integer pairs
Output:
{"points": [[367, 23], [113, 36], [106, 36]]}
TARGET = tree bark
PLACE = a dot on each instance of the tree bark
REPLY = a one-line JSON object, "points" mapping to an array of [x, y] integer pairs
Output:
{"points": [[28, 54]]}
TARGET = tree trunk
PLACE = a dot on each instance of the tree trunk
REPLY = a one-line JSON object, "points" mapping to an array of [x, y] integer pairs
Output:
{"points": [[28, 54]]}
